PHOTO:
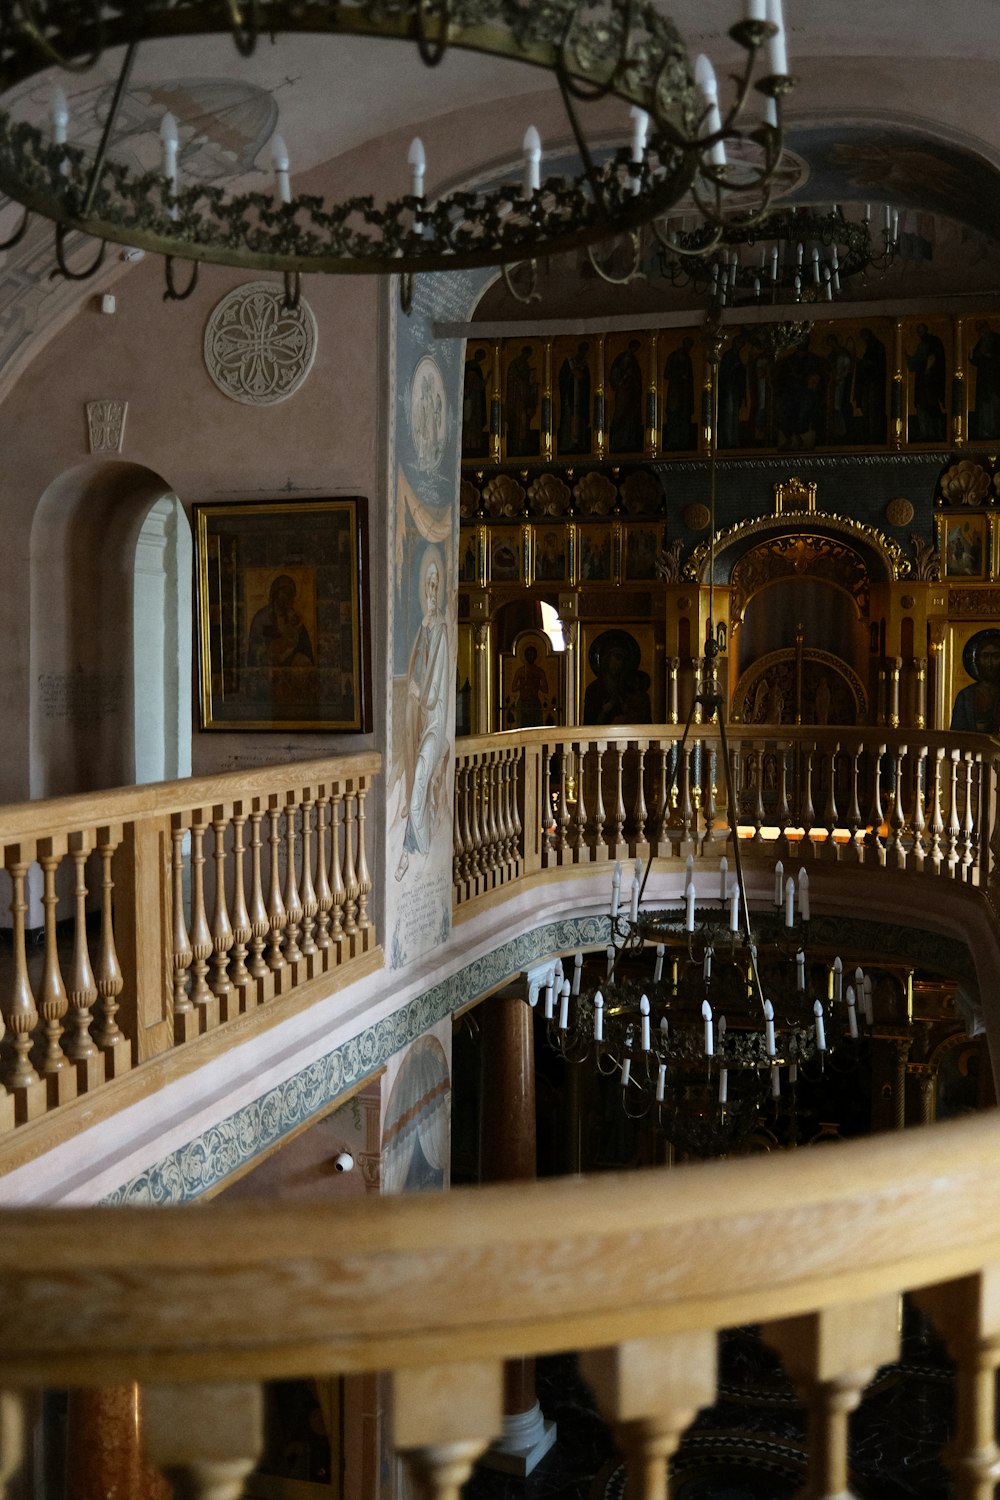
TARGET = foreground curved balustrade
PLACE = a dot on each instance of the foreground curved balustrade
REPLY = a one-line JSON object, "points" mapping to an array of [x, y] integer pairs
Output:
{"points": [[537, 800], [637, 1271]]}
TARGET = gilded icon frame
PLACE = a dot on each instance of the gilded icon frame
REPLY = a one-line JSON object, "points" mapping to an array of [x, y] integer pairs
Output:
{"points": [[283, 616]]}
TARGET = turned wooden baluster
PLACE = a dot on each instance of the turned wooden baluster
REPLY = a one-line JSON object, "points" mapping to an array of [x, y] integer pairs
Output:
{"points": [[259, 923], [276, 915], [578, 838], [443, 1417], [53, 1002], [831, 815], [685, 805], [876, 817], [965, 1315], [597, 838], [222, 932], [830, 1356], [110, 980], [493, 824], [968, 819], [954, 823], [200, 935], [242, 931], [79, 1044], [456, 831], [782, 755], [476, 863], [854, 811], [735, 767], [324, 895], [561, 840], [180, 942], [205, 1439], [505, 821], [336, 875], [918, 820], [515, 809], [307, 894], [19, 1013], [364, 876], [619, 814], [465, 837], [351, 888], [807, 812], [897, 816], [759, 755], [293, 905], [640, 812], [651, 1390], [13, 1430]]}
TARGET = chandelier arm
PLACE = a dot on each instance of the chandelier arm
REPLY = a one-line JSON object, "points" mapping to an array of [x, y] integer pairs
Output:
{"points": [[62, 230], [245, 34], [19, 232], [34, 31], [590, 94], [634, 273], [533, 295], [431, 53], [172, 294], [120, 86], [589, 170], [293, 291]]}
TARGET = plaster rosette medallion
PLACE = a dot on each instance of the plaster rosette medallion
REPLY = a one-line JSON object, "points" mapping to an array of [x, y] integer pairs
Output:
{"points": [[257, 350], [106, 425]]}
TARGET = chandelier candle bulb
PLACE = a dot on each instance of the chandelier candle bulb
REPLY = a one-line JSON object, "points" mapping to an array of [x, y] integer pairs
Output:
{"points": [[616, 889], [598, 1017], [661, 1083], [723, 878], [564, 1006], [689, 913], [820, 1029], [417, 162], [800, 970], [779, 882], [640, 130], [734, 908], [769, 1028], [852, 1011], [577, 973], [279, 159], [610, 951], [59, 113], [550, 1000], [723, 1085], [532, 147], [636, 887], [909, 996], [867, 997], [777, 52], [644, 1027], [756, 10], [804, 893], [774, 264], [829, 983], [838, 979], [789, 902], [658, 966], [170, 140], [895, 225], [626, 1073], [704, 78], [815, 265], [722, 1030], [707, 965], [706, 1015], [688, 870]]}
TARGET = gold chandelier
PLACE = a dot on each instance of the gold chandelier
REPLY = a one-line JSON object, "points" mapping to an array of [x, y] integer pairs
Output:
{"points": [[620, 48]]}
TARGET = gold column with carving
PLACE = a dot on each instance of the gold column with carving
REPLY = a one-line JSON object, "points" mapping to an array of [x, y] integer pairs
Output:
{"points": [[482, 662], [958, 392], [898, 389]]}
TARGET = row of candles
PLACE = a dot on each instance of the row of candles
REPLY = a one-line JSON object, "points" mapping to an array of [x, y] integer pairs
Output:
{"points": [[787, 892], [705, 81]]}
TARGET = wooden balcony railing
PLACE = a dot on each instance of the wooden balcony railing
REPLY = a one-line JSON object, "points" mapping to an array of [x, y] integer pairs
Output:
{"points": [[534, 800], [636, 1271], [214, 897]]}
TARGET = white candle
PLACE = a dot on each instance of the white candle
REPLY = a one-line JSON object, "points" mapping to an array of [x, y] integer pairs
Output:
{"points": [[769, 1028], [550, 1000], [704, 78], [689, 914], [706, 1015], [734, 908], [838, 979], [644, 1026], [279, 158], [723, 873], [658, 966], [756, 10], [868, 213], [793, 1072], [779, 882], [417, 162], [775, 1081], [706, 967], [577, 973], [664, 1026], [170, 140], [820, 1031], [564, 1006], [869, 1013], [789, 902], [532, 146], [610, 952], [722, 1030], [800, 969], [771, 112], [804, 893], [723, 1085], [859, 981], [661, 1080], [626, 1072], [777, 54], [886, 219], [852, 1012], [616, 889], [636, 887], [774, 260], [598, 1017], [640, 130], [688, 870], [59, 112]]}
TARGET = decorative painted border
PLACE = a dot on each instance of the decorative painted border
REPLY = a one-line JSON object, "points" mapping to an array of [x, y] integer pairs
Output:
{"points": [[205, 1161]]}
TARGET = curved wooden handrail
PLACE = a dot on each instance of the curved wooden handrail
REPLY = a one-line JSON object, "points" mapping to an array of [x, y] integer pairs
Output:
{"points": [[794, 734], [95, 1295]]}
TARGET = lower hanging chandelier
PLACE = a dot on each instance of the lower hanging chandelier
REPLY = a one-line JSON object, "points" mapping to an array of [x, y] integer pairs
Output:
{"points": [[592, 48]]}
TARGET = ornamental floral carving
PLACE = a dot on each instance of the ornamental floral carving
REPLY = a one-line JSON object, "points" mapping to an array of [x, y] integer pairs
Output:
{"points": [[503, 496], [468, 499], [257, 350], [965, 483], [549, 495], [595, 494], [696, 516], [642, 493], [899, 512], [926, 559], [799, 555]]}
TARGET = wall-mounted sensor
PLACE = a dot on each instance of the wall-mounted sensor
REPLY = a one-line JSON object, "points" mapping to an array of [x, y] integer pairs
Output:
{"points": [[109, 303], [344, 1162]]}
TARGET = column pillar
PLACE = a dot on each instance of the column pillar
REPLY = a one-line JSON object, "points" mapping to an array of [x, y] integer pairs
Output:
{"points": [[104, 1452], [507, 1153]]}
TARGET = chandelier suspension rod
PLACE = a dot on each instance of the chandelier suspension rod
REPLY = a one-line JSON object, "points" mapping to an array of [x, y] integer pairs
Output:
{"points": [[109, 125]]}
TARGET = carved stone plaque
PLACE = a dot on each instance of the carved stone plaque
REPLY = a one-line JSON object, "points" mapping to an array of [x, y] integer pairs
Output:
{"points": [[257, 350], [106, 425]]}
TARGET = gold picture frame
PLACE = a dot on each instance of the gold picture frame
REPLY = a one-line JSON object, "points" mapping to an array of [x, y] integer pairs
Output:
{"points": [[283, 616]]}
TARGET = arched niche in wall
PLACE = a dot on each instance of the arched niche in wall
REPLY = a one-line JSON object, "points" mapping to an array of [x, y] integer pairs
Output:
{"points": [[162, 635], [83, 656]]}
